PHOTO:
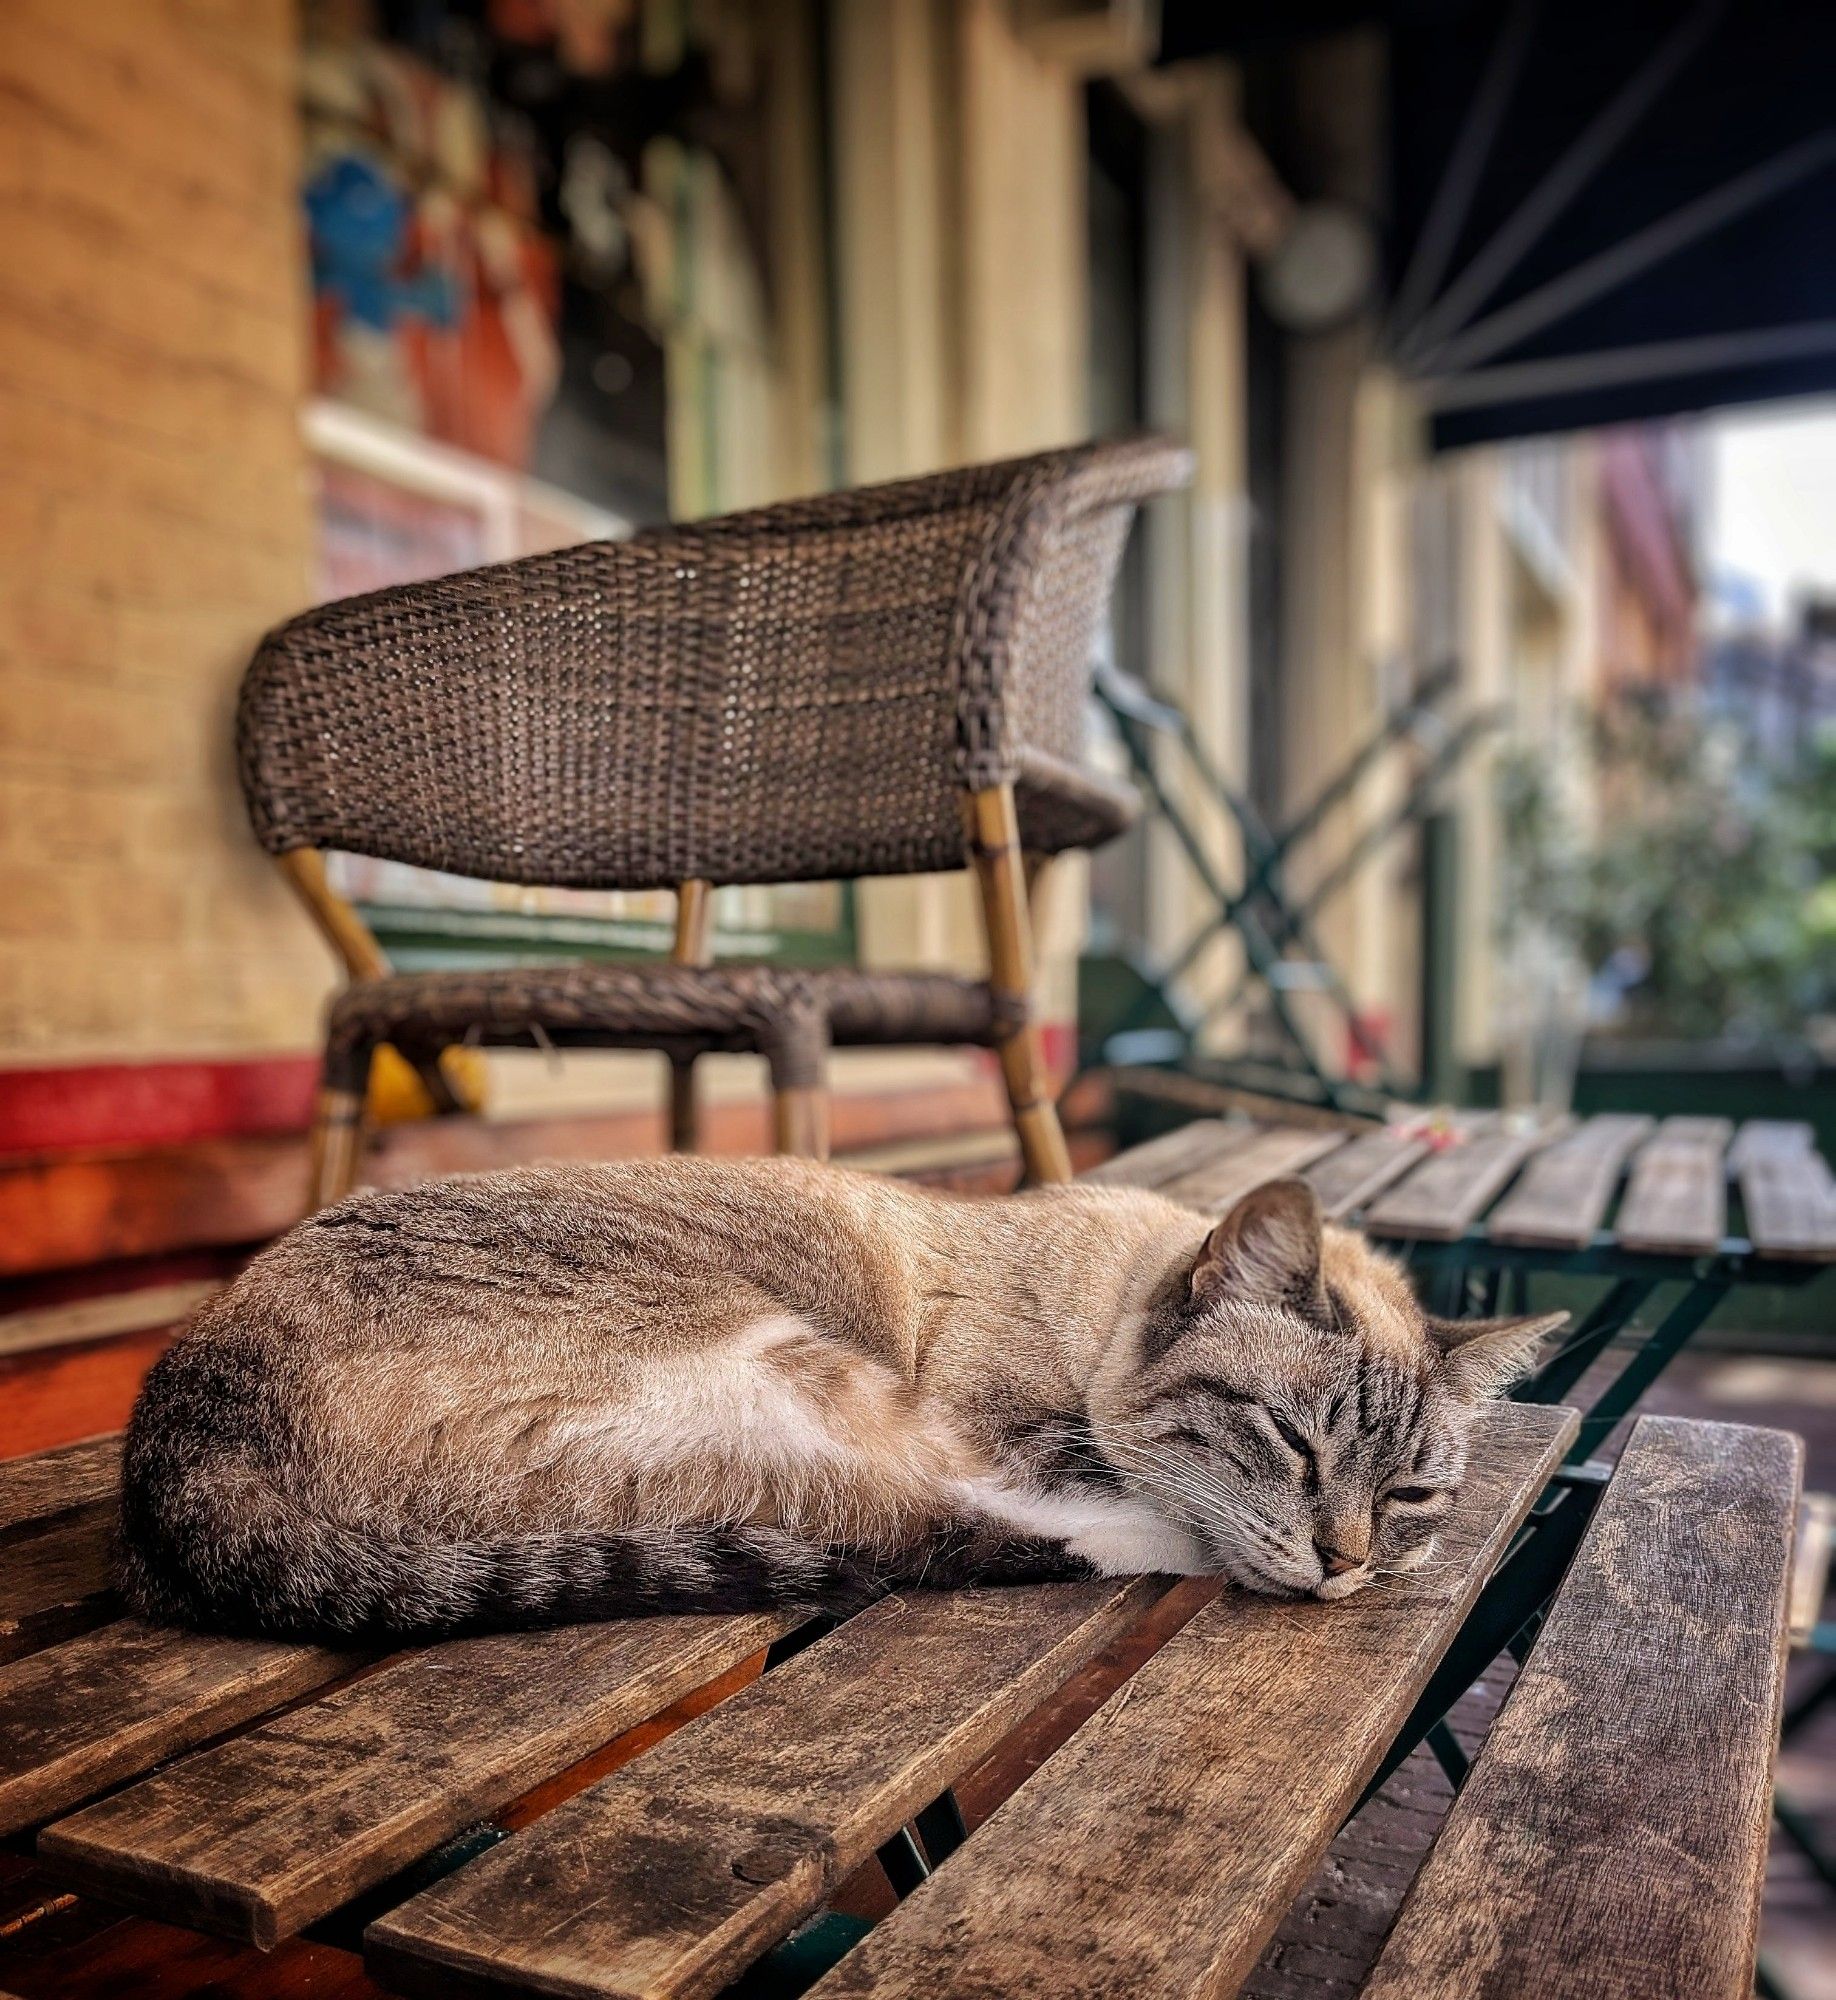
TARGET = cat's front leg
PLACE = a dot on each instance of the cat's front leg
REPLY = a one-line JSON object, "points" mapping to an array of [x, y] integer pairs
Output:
{"points": [[1111, 1535]]}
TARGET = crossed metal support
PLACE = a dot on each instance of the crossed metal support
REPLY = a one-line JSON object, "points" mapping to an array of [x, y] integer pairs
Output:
{"points": [[1131, 712], [1275, 927], [1474, 1272]]}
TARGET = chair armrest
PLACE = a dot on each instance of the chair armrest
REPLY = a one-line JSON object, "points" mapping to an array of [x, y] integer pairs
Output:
{"points": [[1062, 805]]}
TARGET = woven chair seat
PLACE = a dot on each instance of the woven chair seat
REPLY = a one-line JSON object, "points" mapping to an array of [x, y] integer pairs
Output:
{"points": [[791, 1015]]}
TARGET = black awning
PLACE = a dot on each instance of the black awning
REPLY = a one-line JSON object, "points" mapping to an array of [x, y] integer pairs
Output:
{"points": [[1601, 210]]}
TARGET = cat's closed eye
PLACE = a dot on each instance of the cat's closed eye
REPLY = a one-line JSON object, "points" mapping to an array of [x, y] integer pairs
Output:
{"points": [[1414, 1496], [1291, 1437]]}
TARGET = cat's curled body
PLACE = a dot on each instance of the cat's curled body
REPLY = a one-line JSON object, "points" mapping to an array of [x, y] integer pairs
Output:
{"points": [[587, 1391]]}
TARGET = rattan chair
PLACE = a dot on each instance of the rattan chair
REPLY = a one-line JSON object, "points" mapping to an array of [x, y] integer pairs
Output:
{"points": [[878, 682]]}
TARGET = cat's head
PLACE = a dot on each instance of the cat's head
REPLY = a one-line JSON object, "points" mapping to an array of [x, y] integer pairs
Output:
{"points": [[1296, 1410]]}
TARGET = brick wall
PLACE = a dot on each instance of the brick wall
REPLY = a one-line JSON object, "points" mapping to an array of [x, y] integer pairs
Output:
{"points": [[153, 520]]}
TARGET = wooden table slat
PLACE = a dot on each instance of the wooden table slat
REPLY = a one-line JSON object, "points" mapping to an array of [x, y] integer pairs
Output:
{"points": [[1769, 1139], [79, 1717], [264, 1834], [1610, 1840], [1790, 1203], [1158, 1160], [1676, 1199], [1565, 1191], [1348, 1178], [57, 1577], [1451, 1189], [1687, 1130], [52, 1482], [667, 1878], [1217, 1185], [1155, 1853]]}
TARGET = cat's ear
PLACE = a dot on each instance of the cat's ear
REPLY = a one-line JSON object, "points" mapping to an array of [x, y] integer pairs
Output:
{"points": [[1483, 1357], [1267, 1247]]}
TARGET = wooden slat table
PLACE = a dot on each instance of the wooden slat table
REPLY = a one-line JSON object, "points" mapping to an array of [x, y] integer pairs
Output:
{"points": [[673, 1874], [1677, 1197], [1565, 1190], [253, 1790]]}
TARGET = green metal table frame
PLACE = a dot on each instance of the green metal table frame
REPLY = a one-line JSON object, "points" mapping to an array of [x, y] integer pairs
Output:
{"points": [[1476, 1274]]}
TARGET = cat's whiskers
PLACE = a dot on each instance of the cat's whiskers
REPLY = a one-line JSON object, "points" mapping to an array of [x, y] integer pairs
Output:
{"points": [[1219, 1506]]}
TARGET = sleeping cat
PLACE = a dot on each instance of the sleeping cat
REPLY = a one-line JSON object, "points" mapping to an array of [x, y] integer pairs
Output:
{"points": [[575, 1392]]}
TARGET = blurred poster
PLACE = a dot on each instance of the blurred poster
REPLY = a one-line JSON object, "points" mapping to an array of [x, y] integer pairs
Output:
{"points": [[515, 208]]}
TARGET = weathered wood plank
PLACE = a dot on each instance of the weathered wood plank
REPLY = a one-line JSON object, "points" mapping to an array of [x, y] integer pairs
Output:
{"points": [[1450, 1190], [76, 1321], [262, 1835], [1770, 1138], [57, 1577], [1676, 1199], [53, 1481], [1156, 1161], [1610, 1840], [1694, 1131], [1217, 1185], [670, 1876], [1790, 1201], [1566, 1190], [1204, 1096], [1347, 1179], [1155, 1853], [84, 1715]]}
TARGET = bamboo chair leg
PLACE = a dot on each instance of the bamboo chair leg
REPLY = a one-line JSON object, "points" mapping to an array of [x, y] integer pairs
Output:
{"points": [[801, 1121], [684, 1113], [798, 1053], [694, 946], [992, 830], [337, 1128]]}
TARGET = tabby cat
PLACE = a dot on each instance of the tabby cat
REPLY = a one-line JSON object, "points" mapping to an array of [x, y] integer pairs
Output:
{"points": [[577, 1392]]}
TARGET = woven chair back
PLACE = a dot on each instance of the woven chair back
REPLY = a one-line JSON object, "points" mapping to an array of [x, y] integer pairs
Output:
{"points": [[797, 693]]}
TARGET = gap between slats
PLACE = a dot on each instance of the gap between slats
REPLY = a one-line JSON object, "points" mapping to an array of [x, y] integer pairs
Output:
{"points": [[670, 1877]]}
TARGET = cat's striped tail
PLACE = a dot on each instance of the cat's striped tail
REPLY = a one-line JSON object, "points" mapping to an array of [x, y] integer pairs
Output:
{"points": [[283, 1574], [212, 1535], [226, 1550]]}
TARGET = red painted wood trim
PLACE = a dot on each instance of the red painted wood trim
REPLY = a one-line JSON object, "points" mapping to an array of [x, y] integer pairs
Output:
{"points": [[64, 1211], [153, 1104], [125, 1105]]}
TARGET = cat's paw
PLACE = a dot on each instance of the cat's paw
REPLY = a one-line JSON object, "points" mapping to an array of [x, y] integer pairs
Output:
{"points": [[1140, 1546]]}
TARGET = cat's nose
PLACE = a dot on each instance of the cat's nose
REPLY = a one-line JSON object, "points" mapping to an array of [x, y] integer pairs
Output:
{"points": [[1335, 1562]]}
